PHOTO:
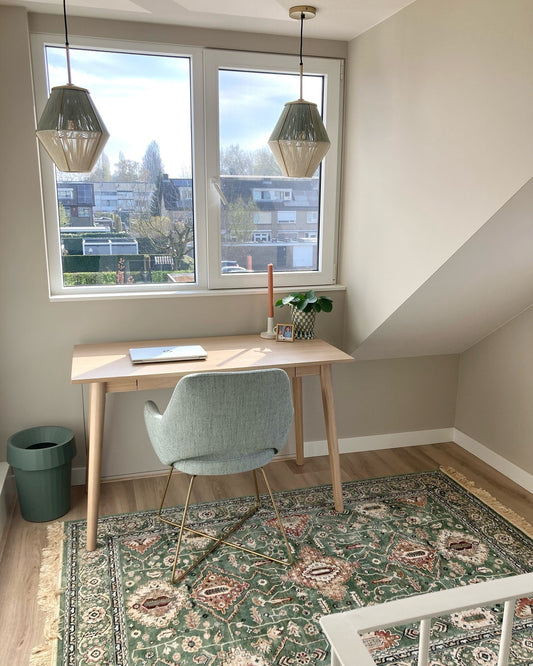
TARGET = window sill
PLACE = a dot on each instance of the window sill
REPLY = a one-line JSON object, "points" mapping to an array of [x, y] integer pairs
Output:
{"points": [[189, 294]]}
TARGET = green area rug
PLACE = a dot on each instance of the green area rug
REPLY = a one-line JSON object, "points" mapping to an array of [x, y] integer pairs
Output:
{"points": [[398, 536]]}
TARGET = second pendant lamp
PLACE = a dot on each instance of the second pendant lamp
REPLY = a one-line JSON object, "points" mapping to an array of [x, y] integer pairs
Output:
{"points": [[299, 141]]}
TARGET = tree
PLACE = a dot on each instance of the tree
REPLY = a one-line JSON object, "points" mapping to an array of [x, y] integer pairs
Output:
{"points": [[64, 219], [234, 161], [165, 236], [240, 220], [264, 163], [102, 170], [157, 197], [126, 171], [152, 165], [116, 222]]}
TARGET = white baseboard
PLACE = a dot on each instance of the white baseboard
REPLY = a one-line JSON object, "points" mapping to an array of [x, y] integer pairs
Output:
{"points": [[7, 494], [501, 464], [393, 440], [320, 448], [376, 442]]}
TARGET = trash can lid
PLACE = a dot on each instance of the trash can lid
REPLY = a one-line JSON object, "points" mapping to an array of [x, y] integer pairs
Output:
{"points": [[42, 447]]}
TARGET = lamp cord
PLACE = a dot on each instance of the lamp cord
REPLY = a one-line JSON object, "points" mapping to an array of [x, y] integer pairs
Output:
{"points": [[66, 41], [302, 17]]}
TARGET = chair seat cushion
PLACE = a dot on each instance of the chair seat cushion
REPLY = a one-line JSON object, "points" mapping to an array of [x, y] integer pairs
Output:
{"points": [[211, 465]]}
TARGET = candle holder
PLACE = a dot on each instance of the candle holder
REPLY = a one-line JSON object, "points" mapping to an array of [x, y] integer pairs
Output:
{"points": [[269, 333]]}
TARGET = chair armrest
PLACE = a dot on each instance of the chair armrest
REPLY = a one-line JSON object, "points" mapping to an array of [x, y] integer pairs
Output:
{"points": [[151, 411]]}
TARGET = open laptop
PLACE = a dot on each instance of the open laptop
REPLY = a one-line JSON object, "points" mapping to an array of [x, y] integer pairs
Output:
{"points": [[167, 354]]}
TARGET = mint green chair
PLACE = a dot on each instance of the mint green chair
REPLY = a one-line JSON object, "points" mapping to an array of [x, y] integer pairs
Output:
{"points": [[222, 423]]}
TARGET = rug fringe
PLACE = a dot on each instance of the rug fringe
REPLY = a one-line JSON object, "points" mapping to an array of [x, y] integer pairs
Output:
{"points": [[511, 516], [49, 596]]}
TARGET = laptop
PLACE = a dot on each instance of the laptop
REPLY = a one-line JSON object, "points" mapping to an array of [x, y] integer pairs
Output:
{"points": [[167, 354]]}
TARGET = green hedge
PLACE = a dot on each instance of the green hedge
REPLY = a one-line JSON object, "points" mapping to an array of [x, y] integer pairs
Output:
{"points": [[102, 263], [110, 277]]}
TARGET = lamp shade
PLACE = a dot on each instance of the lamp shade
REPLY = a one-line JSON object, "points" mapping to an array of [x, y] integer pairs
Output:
{"points": [[71, 130], [299, 140]]}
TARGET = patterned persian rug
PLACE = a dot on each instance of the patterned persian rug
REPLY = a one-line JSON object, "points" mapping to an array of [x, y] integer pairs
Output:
{"points": [[398, 536]]}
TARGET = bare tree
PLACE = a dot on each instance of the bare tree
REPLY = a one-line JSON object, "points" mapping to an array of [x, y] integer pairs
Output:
{"points": [[152, 164], [126, 171], [234, 161], [165, 236], [102, 170]]}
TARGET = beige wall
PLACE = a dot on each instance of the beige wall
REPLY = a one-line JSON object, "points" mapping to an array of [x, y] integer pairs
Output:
{"points": [[495, 392], [37, 336], [438, 138]]}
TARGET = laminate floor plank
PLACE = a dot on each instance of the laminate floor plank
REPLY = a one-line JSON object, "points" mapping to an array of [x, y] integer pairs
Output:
{"points": [[21, 620]]}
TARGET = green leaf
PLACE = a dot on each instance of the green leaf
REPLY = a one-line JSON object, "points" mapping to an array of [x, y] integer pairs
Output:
{"points": [[325, 304]]}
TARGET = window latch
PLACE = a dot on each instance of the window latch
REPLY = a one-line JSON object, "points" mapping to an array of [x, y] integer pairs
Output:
{"points": [[215, 183]]}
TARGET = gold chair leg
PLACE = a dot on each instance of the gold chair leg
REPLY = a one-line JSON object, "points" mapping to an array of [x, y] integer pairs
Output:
{"points": [[280, 524], [223, 539]]}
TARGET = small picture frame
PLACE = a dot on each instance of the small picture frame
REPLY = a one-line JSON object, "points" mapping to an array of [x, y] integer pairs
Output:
{"points": [[285, 332]]}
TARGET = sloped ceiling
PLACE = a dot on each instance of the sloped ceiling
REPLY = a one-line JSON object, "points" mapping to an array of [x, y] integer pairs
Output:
{"points": [[487, 282], [336, 19]]}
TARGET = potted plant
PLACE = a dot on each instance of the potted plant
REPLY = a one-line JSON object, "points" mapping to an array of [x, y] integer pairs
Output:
{"points": [[303, 307]]}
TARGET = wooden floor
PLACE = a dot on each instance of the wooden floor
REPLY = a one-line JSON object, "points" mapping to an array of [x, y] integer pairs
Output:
{"points": [[20, 551]]}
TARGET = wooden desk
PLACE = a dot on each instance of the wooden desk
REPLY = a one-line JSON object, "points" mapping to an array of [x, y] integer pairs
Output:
{"points": [[107, 369]]}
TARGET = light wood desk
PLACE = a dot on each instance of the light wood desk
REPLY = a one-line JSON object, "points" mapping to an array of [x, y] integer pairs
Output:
{"points": [[107, 369]]}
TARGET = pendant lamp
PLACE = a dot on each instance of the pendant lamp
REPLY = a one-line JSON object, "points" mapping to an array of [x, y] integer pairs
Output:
{"points": [[299, 140], [70, 129]]}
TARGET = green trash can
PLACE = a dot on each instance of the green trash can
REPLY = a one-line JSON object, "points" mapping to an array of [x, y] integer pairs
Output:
{"points": [[41, 458]]}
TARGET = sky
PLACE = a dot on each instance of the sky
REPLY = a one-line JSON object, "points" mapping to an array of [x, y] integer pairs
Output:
{"points": [[144, 98]]}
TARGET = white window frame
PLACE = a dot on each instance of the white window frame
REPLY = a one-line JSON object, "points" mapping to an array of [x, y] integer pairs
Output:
{"points": [[53, 244], [262, 236], [283, 213], [330, 69], [205, 167]]}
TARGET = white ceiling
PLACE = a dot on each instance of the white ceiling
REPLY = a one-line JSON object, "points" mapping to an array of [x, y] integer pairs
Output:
{"points": [[335, 19]]}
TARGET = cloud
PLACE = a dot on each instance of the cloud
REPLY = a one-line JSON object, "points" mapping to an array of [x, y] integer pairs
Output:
{"points": [[143, 98]]}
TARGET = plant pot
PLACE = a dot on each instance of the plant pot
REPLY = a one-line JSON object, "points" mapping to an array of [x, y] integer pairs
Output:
{"points": [[304, 323]]}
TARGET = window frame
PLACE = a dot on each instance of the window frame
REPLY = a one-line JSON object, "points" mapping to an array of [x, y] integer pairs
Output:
{"points": [[204, 63], [331, 70]]}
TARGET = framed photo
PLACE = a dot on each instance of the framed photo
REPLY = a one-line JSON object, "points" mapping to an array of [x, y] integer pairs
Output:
{"points": [[285, 333]]}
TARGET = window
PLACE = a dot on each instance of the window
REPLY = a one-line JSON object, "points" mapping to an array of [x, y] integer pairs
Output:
{"points": [[188, 179], [285, 216], [85, 194], [262, 218], [262, 237], [287, 236], [272, 194], [312, 217]]}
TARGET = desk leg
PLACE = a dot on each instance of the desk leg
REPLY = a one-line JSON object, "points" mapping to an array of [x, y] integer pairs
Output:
{"points": [[331, 434], [94, 458], [298, 419]]}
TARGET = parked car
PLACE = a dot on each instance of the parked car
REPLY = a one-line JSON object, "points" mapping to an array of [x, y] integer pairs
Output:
{"points": [[234, 269]]}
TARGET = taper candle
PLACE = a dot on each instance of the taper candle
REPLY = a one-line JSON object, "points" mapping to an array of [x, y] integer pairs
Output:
{"points": [[270, 290]]}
